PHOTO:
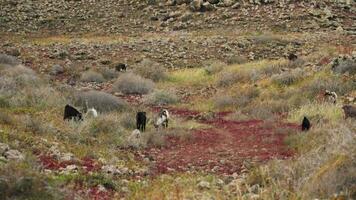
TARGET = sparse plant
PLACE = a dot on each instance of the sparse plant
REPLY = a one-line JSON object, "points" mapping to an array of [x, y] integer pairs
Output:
{"points": [[7, 60], [92, 76], [161, 97], [109, 73], [150, 70], [133, 84], [239, 59], [213, 66], [101, 101], [288, 78], [224, 101]]}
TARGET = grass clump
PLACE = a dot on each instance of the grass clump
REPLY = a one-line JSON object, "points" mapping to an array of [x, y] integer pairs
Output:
{"points": [[189, 77], [289, 77], [161, 97], [109, 73], [213, 66], [150, 70], [92, 76], [317, 112], [133, 84], [101, 101], [224, 101]]}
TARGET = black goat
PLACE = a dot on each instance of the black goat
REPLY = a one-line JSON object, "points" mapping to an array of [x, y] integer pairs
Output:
{"points": [[292, 57], [141, 121], [72, 113], [121, 67], [305, 124]]}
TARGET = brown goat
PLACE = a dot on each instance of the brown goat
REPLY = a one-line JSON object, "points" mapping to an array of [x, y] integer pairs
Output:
{"points": [[350, 111]]}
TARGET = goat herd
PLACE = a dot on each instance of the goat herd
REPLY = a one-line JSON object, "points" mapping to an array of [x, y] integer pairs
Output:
{"points": [[70, 113]]}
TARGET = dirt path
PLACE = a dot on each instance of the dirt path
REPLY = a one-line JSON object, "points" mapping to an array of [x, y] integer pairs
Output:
{"points": [[224, 147]]}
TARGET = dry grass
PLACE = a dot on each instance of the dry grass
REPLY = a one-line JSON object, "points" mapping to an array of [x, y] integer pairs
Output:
{"points": [[133, 84], [289, 77], [213, 66]]}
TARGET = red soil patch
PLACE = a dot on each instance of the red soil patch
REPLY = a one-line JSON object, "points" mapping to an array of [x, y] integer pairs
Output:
{"points": [[222, 148], [51, 163]]}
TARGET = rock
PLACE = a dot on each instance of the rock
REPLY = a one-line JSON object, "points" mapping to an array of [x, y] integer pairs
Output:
{"points": [[71, 168], [196, 5], [13, 155], [204, 185], [3, 148], [56, 70]]}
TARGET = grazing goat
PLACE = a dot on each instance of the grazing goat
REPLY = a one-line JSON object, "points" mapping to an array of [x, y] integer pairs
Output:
{"points": [[92, 113], [162, 119], [305, 124], [350, 111], [292, 57], [330, 96], [72, 113], [121, 67], [141, 120]]}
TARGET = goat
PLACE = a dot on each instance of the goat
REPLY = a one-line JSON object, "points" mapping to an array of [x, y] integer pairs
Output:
{"points": [[331, 96], [350, 111], [162, 119], [141, 120], [92, 113], [292, 57], [121, 67], [70, 113], [305, 124]]}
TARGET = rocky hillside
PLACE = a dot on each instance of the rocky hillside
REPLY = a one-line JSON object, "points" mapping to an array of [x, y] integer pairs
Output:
{"points": [[133, 17]]}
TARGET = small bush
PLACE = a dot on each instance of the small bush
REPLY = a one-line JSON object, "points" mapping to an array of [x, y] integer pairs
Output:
{"points": [[161, 97], [344, 65], [108, 73], [150, 70], [227, 78], [6, 118], [92, 76], [153, 138], [101, 101], [224, 101], [213, 66], [133, 84], [237, 60], [335, 84], [246, 96], [6, 60], [288, 78]]}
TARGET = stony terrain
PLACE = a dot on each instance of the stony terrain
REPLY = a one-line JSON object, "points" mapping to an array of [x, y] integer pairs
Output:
{"points": [[221, 68]]}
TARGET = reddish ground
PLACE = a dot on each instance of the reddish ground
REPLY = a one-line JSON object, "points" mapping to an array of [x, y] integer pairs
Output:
{"points": [[222, 148]]}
